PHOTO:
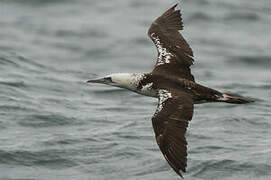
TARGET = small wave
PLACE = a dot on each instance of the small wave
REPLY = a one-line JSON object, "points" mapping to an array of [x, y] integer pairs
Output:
{"points": [[18, 179], [36, 2], [218, 166], [85, 33], [15, 61], [245, 86], [69, 141], [262, 61], [98, 52], [200, 16], [201, 2], [14, 83], [12, 108], [245, 16], [141, 4], [61, 142], [28, 61], [242, 16], [5, 61], [198, 136], [202, 149], [253, 122], [43, 121], [124, 153], [49, 158], [2, 126]]}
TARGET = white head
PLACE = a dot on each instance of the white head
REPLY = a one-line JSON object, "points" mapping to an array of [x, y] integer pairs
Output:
{"points": [[123, 80]]}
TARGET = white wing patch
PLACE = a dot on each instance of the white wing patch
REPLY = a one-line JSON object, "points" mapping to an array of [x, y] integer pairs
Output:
{"points": [[164, 55], [163, 96]]}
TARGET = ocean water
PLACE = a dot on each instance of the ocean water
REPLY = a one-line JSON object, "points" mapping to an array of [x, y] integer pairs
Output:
{"points": [[54, 126]]}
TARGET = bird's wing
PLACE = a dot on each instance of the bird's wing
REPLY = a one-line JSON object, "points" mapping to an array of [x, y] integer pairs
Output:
{"points": [[174, 54], [169, 122]]}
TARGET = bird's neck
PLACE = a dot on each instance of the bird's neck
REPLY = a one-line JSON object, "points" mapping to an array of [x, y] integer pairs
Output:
{"points": [[139, 83], [128, 80]]}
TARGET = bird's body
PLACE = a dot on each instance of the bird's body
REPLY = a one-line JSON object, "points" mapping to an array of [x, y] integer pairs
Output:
{"points": [[173, 84], [149, 84]]}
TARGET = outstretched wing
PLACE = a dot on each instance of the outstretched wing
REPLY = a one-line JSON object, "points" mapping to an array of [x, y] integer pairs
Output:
{"points": [[169, 122], [174, 54]]}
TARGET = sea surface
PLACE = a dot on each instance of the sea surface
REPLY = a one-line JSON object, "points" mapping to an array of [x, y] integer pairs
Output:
{"points": [[54, 126]]}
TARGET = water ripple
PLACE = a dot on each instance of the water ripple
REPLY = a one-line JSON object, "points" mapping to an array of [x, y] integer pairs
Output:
{"points": [[52, 159], [45, 121], [220, 166]]}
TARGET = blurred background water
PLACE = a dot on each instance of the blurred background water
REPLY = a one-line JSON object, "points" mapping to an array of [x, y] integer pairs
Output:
{"points": [[55, 126]]}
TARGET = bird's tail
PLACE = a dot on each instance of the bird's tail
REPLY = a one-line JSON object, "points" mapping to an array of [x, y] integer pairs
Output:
{"points": [[233, 99]]}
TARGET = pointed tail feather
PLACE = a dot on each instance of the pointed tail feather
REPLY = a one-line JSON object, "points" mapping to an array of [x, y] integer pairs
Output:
{"points": [[233, 99]]}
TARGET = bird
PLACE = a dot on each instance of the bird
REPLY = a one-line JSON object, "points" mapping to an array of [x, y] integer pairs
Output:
{"points": [[172, 83]]}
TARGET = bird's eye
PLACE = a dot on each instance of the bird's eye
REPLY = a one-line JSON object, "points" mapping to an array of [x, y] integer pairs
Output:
{"points": [[108, 79]]}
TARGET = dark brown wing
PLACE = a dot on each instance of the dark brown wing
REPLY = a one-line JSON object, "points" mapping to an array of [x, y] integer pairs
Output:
{"points": [[169, 122], [174, 54]]}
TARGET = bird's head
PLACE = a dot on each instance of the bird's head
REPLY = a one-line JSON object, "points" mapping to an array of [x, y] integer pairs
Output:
{"points": [[123, 80]]}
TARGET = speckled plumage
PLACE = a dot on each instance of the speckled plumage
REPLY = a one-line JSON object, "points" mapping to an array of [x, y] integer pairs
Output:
{"points": [[164, 55], [173, 84]]}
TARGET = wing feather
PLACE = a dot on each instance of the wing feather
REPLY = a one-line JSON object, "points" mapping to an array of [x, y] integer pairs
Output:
{"points": [[170, 122], [173, 50]]}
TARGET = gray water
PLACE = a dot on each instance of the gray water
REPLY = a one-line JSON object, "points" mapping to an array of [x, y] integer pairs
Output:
{"points": [[53, 126]]}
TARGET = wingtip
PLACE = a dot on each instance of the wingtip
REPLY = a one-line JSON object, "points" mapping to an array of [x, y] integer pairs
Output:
{"points": [[173, 7], [179, 173], [177, 4]]}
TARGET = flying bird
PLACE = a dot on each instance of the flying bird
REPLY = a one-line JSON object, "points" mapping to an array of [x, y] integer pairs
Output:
{"points": [[173, 84]]}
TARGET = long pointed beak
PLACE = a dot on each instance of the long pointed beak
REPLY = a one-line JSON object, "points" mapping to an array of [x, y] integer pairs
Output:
{"points": [[98, 80]]}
